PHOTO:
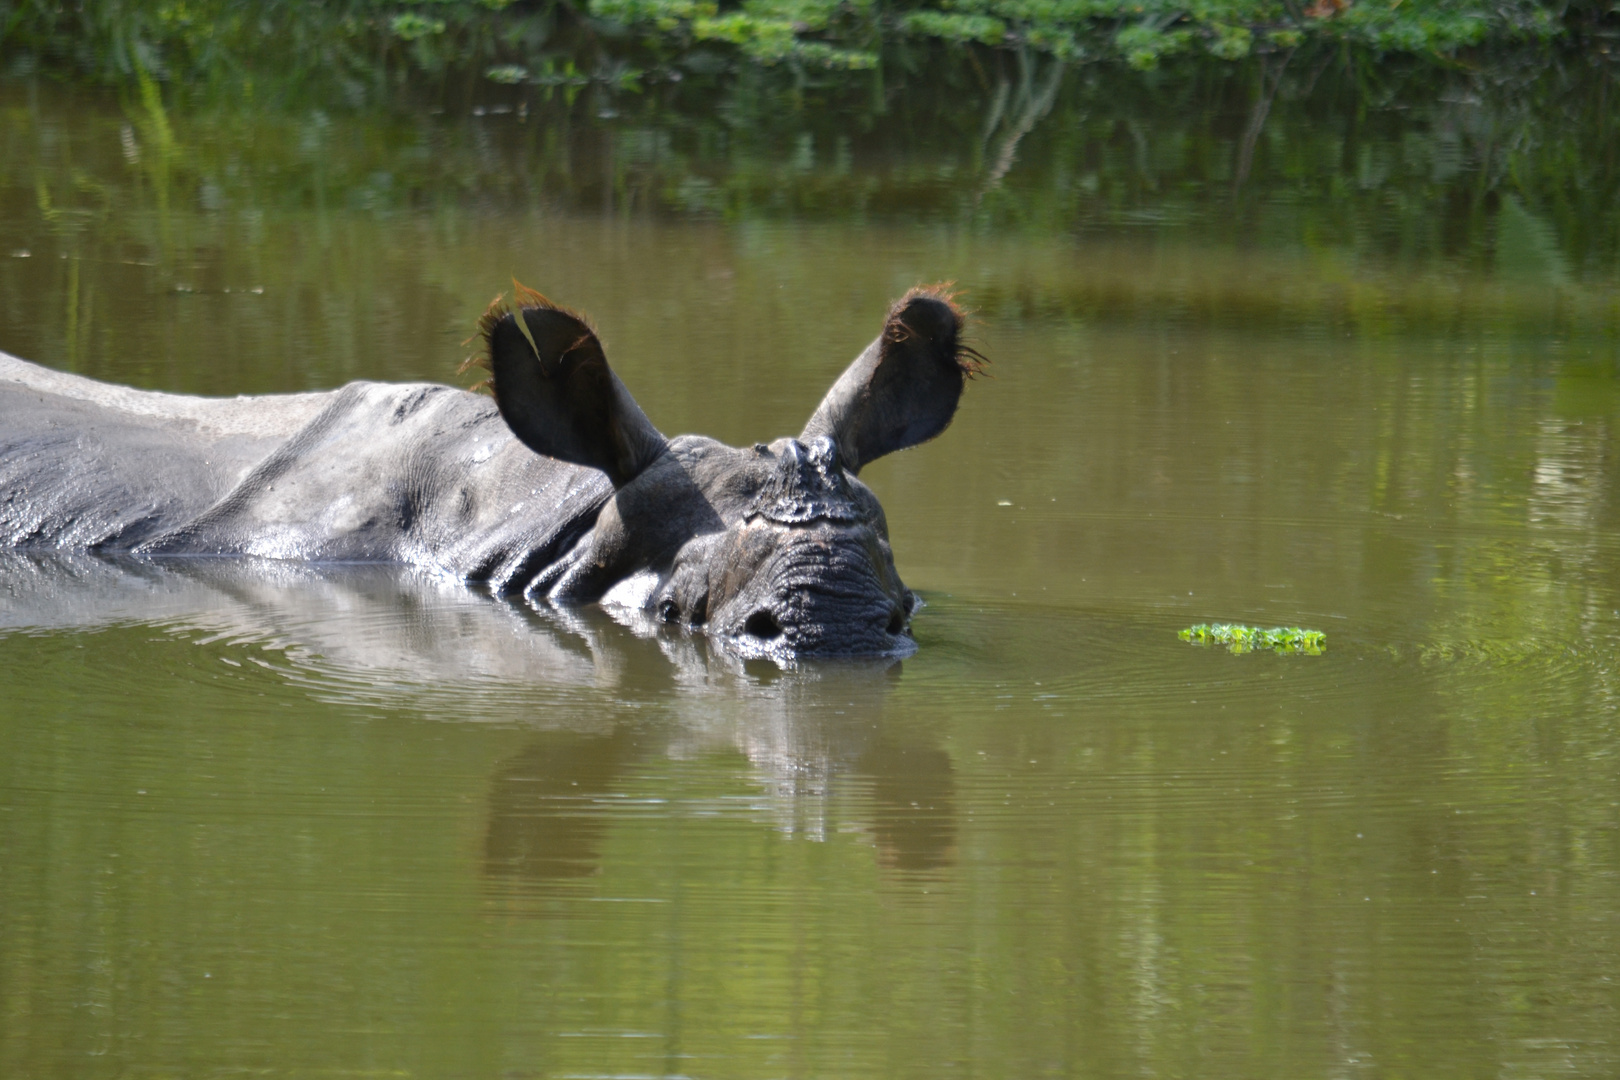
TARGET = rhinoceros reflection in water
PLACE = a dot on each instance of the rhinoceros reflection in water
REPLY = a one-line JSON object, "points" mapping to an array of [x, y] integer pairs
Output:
{"points": [[552, 805], [603, 695], [778, 550]]}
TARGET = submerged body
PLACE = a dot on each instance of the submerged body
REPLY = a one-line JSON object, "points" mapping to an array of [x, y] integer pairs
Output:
{"points": [[558, 488]]}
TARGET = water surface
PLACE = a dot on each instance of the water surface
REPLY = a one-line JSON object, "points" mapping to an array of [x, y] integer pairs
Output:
{"points": [[358, 821]]}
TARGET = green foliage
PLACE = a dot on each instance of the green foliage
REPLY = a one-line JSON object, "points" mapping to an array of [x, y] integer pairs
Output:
{"points": [[1230, 42], [665, 15], [954, 26], [1242, 639], [1144, 33], [1143, 44], [410, 26], [765, 31], [357, 42]]}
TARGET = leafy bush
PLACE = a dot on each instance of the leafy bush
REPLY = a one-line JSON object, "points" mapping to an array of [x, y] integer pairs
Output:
{"points": [[350, 39]]}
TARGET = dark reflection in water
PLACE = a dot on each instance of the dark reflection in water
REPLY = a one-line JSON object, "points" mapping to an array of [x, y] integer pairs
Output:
{"points": [[542, 824], [376, 635], [552, 804], [913, 804]]}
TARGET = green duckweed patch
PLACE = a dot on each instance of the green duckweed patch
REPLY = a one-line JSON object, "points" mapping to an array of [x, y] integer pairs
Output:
{"points": [[1242, 639]]}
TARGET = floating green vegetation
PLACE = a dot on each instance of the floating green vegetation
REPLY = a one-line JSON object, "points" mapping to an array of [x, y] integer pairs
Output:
{"points": [[1242, 639]]}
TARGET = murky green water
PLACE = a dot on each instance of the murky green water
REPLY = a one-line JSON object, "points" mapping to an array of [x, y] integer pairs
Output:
{"points": [[300, 821]]}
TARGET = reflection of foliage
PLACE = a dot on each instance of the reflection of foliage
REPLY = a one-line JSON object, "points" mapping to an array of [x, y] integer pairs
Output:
{"points": [[1360, 168]]}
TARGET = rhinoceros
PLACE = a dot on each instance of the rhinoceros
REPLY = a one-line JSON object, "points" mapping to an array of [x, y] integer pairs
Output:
{"points": [[558, 489]]}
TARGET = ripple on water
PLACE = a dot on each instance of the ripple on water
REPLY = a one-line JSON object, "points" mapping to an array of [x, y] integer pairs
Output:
{"points": [[1104, 658], [379, 637], [1049, 657]]}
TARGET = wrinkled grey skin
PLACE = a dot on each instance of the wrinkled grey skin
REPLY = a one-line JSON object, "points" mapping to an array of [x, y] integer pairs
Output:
{"points": [[775, 550], [706, 550]]}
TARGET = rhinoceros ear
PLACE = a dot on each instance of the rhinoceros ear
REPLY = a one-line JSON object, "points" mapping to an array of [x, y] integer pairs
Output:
{"points": [[904, 388], [557, 393]]}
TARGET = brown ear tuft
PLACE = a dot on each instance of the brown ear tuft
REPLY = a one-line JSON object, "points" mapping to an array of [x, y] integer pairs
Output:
{"points": [[486, 326], [527, 297], [523, 299], [969, 359], [486, 322], [944, 291]]}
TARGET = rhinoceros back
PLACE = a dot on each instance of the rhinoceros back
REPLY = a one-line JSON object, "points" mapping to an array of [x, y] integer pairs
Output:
{"points": [[85, 465], [372, 472]]}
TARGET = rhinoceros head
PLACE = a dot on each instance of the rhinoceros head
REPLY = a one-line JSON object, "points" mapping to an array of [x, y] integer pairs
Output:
{"points": [[777, 549]]}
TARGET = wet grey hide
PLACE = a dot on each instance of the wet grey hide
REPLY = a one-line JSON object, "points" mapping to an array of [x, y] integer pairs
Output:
{"points": [[776, 550]]}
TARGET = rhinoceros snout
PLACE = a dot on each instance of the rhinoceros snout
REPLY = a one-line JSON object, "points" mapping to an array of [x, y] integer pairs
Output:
{"points": [[763, 634], [882, 629]]}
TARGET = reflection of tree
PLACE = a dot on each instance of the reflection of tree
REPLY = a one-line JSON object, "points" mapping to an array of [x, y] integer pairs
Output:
{"points": [[1029, 105], [1271, 73]]}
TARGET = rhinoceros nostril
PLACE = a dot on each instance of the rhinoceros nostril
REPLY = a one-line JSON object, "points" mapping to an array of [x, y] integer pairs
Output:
{"points": [[763, 625], [897, 621]]}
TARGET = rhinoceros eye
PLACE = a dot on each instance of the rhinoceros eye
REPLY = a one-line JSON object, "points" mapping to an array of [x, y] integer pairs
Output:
{"points": [[668, 611]]}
